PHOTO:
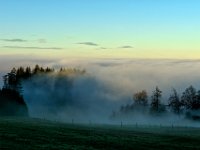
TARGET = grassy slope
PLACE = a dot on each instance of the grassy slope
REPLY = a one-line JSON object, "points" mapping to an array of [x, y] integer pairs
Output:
{"points": [[39, 134]]}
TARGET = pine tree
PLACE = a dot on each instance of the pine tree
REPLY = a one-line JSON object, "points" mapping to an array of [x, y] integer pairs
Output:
{"points": [[155, 100], [189, 98], [174, 102]]}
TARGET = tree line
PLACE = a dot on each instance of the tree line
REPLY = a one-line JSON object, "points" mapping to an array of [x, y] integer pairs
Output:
{"points": [[12, 102], [185, 104], [13, 79]]}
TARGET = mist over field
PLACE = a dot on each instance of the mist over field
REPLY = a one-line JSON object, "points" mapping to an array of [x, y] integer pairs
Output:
{"points": [[107, 85]]}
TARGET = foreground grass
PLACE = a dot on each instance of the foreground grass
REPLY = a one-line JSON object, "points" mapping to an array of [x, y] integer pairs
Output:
{"points": [[39, 134]]}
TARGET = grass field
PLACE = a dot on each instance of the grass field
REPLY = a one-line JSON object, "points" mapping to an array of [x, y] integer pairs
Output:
{"points": [[40, 134]]}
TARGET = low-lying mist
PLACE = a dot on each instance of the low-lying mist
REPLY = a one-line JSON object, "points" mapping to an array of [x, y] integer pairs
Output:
{"points": [[107, 85], [81, 98]]}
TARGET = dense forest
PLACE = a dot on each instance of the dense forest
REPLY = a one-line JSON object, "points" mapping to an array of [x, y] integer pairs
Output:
{"points": [[12, 101]]}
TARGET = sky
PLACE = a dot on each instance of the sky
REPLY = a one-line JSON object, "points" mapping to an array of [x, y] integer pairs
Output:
{"points": [[100, 28]]}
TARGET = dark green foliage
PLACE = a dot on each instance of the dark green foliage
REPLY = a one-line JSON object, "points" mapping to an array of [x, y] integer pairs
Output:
{"points": [[197, 102], [11, 81], [11, 99], [156, 106], [12, 93], [191, 98], [174, 102], [12, 103]]}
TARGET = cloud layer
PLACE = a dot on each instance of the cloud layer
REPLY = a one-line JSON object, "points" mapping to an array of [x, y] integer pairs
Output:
{"points": [[14, 40], [88, 43], [27, 47], [126, 46]]}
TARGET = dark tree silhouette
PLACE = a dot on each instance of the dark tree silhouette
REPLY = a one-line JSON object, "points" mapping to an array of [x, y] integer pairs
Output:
{"points": [[49, 70], [27, 73], [156, 106], [197, 103], [174, 102], [190, 99], [12, 103], [11, 96], [11, 81], [36, 70]]}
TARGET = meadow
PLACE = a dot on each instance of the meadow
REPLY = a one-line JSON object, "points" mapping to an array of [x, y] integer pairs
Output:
{"points": [[38, 134]]}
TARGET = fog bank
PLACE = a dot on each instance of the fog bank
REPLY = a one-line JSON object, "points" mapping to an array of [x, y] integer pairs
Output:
{"points": [[108, 84]]}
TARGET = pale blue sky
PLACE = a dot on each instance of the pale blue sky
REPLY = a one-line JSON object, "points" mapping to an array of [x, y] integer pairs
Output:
{"points": [[151, 28]]}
